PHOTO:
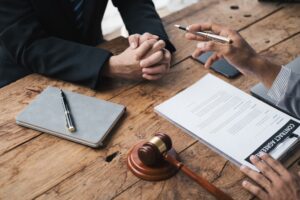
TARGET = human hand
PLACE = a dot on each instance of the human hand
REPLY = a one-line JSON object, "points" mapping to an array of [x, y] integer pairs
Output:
{"points": [[274, 182], [156, 62], [136, 40], [239, 53], [127, 64], [156, 65]]}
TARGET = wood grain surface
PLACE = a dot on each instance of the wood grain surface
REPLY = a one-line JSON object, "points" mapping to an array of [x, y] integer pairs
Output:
{"points": [[37, 165], [247, 13]]}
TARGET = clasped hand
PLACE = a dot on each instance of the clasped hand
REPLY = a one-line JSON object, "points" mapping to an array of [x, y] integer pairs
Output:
{"points": [[146, 57]]}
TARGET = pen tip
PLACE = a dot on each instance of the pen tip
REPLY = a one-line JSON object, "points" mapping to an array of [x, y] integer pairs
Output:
{"points": [[176, 25], [72, 129]]}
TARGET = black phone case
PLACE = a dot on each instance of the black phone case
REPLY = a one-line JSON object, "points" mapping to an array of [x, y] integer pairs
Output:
{"points": [[221, 66]]}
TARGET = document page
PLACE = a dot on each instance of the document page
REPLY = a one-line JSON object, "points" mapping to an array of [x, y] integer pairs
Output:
{"points": [[230, 120]]}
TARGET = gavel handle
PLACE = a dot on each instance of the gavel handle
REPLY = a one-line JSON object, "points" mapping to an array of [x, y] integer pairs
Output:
{"points": [[219, 194]]}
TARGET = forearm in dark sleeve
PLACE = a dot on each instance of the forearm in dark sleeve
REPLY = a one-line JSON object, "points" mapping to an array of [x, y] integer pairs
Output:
{"points": [[34, 49]]}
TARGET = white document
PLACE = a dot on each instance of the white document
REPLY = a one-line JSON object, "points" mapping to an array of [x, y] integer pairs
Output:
{"points": [[230, 121]]}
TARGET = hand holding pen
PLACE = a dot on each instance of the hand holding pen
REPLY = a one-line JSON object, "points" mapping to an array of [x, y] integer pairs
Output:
{"points": [[221, 40], [206, 35], [238, 53], [221, 50]]}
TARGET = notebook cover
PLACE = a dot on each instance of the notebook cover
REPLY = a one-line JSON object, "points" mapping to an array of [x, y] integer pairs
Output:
{"points": [[93, 118]]}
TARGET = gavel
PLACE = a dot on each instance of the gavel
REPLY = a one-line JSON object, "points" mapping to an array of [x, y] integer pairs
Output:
{"points": [[158, 150]]}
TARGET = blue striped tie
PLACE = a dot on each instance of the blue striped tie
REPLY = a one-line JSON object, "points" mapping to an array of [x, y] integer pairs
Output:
{"points": [[77, 6]]}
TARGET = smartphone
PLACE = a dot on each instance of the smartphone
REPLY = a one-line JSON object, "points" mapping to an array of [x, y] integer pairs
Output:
{"points": [[221, 66]]}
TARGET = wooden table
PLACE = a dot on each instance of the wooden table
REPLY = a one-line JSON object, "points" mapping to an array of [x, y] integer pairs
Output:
{"points": [[37, 165]]}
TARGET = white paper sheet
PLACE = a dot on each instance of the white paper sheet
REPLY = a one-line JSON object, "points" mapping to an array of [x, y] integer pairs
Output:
{"points": [[228, 119]]}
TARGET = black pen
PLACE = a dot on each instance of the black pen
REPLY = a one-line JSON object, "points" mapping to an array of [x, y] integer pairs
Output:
{"points": [[69, 121], [209, 36]]}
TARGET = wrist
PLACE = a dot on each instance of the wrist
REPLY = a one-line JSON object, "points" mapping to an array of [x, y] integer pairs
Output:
{"points": [[264, 70], [110, 68]]}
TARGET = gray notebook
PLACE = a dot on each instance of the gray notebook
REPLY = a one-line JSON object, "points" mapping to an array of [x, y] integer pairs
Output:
{"points": [[93, 118], [261, 92]]}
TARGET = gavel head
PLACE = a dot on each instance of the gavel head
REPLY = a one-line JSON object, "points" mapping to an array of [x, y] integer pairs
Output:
{"points": [[152, 151]]}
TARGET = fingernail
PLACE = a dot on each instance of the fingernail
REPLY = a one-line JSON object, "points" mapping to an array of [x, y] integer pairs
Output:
{"points": [[141, 64], [200, 45], [242, 167], [253, 157], [133, 45], [245, 183], [261, 154], [144, 70], [188, 27]]}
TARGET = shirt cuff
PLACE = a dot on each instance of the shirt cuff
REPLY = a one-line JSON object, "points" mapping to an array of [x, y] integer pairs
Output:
{"points": [[280, 84]]}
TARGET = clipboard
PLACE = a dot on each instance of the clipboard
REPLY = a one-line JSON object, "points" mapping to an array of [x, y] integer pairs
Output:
{"points": [[230, 121]]}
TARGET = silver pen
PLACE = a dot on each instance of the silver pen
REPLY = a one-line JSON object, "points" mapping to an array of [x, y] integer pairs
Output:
{"points": [[69, 120], [207, 35]]}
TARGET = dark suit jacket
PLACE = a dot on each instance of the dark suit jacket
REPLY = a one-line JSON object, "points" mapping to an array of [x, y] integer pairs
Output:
{"points": [[40, 36]]}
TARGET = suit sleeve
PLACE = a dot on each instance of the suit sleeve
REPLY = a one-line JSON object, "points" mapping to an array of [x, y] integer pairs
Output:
{"points": [[290, 100], [32, 48], [140, 16]]}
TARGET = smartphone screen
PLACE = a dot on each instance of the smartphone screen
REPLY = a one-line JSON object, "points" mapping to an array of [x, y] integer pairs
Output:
{"points": [[221, 66]]}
